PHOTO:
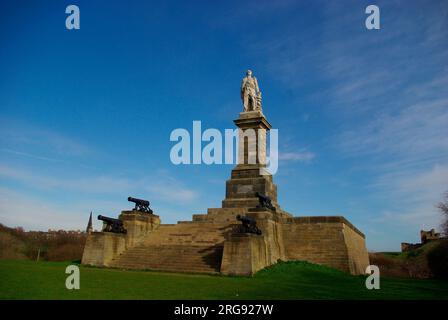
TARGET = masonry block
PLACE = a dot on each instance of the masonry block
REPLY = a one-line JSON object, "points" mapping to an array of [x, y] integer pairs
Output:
{"points": [[244, 254]]}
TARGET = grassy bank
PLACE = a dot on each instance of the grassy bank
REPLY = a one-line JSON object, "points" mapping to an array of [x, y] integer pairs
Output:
{"points": [[292, 280]]}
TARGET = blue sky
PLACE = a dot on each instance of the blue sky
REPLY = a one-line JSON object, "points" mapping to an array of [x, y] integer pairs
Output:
{"points": [[86, 115]]}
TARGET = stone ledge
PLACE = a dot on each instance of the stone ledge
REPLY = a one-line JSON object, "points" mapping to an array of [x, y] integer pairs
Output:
{"points": [[138, 215], [324, 219], [252, 120]]}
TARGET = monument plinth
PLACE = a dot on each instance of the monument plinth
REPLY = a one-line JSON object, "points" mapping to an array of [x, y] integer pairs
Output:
{"points": [[211, 243], [250, 175]]}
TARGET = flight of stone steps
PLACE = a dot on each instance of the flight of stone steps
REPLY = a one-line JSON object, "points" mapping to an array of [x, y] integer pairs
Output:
{"points": [[184, 247]]}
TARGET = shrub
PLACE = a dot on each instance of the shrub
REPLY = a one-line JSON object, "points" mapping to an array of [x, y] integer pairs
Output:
{"points": [[389, 266], [438, 259], [65, 252]]}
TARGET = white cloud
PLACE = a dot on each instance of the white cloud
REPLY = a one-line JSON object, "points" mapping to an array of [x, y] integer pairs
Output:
{"points": [[98, 184], [18, 209], [172, 192], [302, 156], [15, 136], [47, 211], [386, 95], [416, 196], [161, 186]]}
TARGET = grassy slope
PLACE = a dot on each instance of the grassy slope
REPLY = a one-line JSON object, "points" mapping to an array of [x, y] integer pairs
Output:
{"points": [[423, 250], [293, 280], [412, 263]]}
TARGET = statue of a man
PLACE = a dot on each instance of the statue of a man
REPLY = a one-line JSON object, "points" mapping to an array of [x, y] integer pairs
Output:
{"points": [[250, 93]]}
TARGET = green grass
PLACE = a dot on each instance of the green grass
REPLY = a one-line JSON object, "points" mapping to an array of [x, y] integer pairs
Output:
{"points": [[287, 280]]}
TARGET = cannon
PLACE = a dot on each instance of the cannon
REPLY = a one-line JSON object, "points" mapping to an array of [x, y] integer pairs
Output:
{"points": [[141, 205], [248, 225], [265, 202], [112, 225]]}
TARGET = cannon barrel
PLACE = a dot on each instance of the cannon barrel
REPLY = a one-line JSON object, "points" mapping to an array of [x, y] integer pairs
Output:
{"points": [[265, 201], [112, 225], [260, 195], [248, 225], [246, 220], [108, 219], [141, 205], [139, 201]]}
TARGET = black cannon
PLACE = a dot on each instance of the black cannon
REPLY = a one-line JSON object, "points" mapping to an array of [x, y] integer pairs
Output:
{"points": [[265, 202], [112, 225], [141, 205], [248, 225]]}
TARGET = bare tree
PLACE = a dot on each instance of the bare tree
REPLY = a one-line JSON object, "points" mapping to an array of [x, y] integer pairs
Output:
{"points": [[443, 207]]}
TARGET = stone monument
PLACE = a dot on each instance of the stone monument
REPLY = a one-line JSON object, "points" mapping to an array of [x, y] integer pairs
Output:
{"points": [[250, 93], [212, 243]]}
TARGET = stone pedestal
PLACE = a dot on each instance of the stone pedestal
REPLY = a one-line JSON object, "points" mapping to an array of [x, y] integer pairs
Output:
{"points": [[138, 225], [270, 224], [250, 175], [244, 254], [102, 247], [253, 127]]}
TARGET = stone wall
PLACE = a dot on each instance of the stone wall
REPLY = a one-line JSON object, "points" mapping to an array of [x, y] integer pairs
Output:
{"points": [[332, 241], [271, 228], [358, 257], [329, 240], [244, 254], [102, 247], [138, 226]]}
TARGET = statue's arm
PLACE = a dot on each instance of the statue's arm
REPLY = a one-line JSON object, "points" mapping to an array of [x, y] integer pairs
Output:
{"points": [[257, 89], [242, 87]]}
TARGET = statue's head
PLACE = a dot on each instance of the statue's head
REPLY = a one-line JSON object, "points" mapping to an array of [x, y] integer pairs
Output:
{"points": [[249, 73]]}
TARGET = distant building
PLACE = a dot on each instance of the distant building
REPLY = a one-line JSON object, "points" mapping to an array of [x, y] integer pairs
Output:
{"points": [[89, 228], [425, 237], [430, 235]]}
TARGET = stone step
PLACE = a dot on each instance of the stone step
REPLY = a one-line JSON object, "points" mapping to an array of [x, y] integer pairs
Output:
{"points": [[164, 268], [183, 247], [162, 264], [150, 264], [155, 256], [192, 233], [169, 268], [184, 258]]}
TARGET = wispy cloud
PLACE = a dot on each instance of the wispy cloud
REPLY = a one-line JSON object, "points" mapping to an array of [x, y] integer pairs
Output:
{"points": [[28, 155], [87, 184], [385, 91], [17, 209], [415, 132], [160, 186], [167, 187], [415, 195], [64, 201], [399, 126], [301, 156], [16, 136]]}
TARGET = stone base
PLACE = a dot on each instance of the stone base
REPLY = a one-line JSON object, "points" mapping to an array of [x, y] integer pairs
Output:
{"points": [[245, 182], [331, 241], [138, 225], [102, 247], [209, 243], [244, 254]]}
